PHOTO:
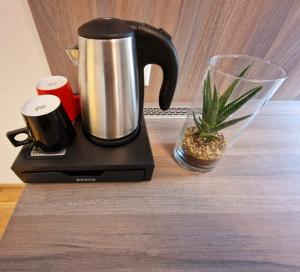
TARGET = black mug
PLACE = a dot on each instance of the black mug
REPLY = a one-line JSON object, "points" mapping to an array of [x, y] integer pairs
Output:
{"points": [[47, 124]]}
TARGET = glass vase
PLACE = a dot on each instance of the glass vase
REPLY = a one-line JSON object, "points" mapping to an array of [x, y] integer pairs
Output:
{"points": [[233, 90]]}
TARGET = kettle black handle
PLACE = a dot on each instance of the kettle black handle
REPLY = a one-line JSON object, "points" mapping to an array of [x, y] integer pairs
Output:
{"points": [[154, 46]]}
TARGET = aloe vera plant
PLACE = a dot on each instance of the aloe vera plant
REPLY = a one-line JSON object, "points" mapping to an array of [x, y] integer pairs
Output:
{"points": [[216, 108]]}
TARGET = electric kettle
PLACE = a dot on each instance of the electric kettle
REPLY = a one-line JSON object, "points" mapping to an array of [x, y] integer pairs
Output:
{"points": [[111, 56]]}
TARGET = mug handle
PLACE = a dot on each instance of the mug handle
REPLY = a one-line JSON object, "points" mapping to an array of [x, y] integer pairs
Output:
{"points": [[12, 134]]}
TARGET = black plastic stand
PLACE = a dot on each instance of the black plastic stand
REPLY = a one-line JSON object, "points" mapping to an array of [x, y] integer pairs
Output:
{"points": [[87, 162]]}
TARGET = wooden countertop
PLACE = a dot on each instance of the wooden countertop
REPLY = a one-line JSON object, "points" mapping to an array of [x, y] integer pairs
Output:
{"points": [[243, 216]]}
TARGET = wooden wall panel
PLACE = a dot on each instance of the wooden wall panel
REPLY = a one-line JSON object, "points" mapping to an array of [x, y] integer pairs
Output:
{"points": [[200, 29]]}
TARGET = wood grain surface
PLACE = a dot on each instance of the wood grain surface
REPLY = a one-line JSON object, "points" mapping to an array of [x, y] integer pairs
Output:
{"points": [[242, 217], [200, 29], [9, 196]]}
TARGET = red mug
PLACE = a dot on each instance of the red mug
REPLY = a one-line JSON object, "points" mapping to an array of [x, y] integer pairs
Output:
{"points": [[60, 87]]}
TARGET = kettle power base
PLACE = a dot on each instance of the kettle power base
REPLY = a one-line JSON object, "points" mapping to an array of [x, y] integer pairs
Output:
{"points": [[87, 162]]}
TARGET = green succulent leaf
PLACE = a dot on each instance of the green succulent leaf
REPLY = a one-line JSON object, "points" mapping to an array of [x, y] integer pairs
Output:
{"points": [[205, 126], [229, 123], [236, 104], [208, 88], [197, 122], [205, 102], [201, 124], [207, 98], [214, 109], [225, 96]]}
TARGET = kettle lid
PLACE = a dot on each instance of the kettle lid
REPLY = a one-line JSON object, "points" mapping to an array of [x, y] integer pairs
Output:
{"points": [[105, 28]]}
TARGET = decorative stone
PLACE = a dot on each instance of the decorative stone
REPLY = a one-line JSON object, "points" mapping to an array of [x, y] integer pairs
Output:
{"points": [[199, 148]]}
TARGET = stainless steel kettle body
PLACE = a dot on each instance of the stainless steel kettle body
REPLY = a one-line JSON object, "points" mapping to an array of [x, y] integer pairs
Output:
{"points": [[112, 56], [108, 82]]}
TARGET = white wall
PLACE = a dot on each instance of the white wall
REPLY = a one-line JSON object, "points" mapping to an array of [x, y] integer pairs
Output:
{"points": [[22, 63]]}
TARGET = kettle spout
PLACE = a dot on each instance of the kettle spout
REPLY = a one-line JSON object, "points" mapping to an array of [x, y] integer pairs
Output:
{"points": [[73, 53]]}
